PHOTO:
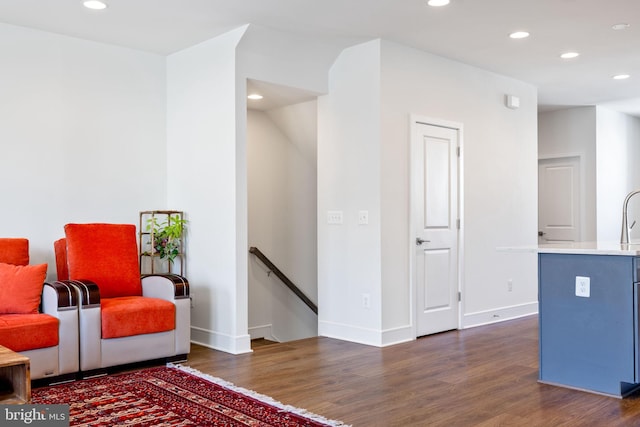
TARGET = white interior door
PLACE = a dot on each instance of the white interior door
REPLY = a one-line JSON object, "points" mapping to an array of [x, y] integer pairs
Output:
{"points": [[435, 227], [559, 199]]}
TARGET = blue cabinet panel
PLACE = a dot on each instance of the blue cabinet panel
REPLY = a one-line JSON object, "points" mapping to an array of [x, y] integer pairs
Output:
{"points": [[590, 342]]}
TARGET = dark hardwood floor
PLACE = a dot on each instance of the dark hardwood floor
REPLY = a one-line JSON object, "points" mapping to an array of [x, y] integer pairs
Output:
{"points": [[484, 376]]}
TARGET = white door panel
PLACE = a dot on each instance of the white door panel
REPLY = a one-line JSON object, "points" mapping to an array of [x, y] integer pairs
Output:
{"points": [[436, 194], [435, 233], [559, 199], [437, 295]]}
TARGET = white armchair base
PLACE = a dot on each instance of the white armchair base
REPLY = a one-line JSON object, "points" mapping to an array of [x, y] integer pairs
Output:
{"points": [[58, 300], [43, 362], [120, 351]]}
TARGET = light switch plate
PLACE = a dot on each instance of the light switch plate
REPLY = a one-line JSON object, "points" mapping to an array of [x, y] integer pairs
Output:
{"points": [[334, 217], [583, 286]]}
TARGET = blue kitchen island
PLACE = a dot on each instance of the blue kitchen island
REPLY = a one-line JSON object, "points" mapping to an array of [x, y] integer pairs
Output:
{"points": [[589, 299]]}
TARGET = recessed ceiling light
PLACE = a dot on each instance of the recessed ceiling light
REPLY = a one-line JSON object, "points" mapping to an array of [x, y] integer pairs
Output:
{"points": [[255, 96], [436, 3], [94, 4], [621, 26], [621, 76], [519, 35], [569, 55]]}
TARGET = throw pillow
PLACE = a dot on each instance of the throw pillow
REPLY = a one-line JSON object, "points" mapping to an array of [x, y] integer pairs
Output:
{"points": [[21, 288]]}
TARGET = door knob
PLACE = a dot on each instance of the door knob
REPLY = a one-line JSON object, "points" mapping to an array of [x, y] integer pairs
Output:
{"points": [[420, 241]]}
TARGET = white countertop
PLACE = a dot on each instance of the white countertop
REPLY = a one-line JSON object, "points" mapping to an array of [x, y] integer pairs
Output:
{"points": [[585, 248], [591, 248]]}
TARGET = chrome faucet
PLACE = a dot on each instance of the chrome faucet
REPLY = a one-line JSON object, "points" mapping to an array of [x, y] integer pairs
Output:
{"points": [[624, 236]]}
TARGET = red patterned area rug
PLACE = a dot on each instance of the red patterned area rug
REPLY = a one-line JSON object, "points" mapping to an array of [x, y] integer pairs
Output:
{"points": [[171, 396]]}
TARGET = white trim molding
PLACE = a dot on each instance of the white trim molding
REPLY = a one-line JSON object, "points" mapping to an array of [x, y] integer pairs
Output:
{"points": [[230, 344], [366, 336], [499, 315]]}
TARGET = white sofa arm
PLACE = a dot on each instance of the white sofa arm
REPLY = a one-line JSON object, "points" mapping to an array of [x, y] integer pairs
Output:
{"points": [[165, 286], [60, 300], [174, 288], [89, 323]]}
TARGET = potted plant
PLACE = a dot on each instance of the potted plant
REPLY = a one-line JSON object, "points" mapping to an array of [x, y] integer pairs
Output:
{"points": [[167, 235]]}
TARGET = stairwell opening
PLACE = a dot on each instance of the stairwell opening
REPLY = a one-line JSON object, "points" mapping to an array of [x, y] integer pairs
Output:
{"points": [[282, 211]]}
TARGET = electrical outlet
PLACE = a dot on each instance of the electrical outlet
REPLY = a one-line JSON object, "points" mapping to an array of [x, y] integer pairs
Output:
{"points": [[583, 286], [510, 285], [363, 217], [366, 301], [334, 217]]}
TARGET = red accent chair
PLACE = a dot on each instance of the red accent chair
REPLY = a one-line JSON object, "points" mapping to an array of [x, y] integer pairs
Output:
{"points": [[37, 319], [124, 318]]}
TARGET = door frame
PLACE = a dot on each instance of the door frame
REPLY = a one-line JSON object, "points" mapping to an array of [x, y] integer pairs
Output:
{"points": [[414, 121], [583, 185]]}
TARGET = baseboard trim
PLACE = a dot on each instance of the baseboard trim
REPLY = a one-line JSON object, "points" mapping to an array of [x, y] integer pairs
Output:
{"points": [[498, 315], [263, 331], [218, 341], [366, 336], [397, 335]]}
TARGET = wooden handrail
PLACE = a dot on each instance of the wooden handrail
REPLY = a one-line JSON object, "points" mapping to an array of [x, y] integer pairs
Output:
{"points": [[262, 257]]}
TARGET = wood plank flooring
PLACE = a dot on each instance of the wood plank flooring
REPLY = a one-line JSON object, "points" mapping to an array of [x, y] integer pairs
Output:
{"points": [[484, 376]]}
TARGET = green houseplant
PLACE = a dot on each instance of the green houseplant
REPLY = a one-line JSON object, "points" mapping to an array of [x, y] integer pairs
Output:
{"points": [[167, 235]]}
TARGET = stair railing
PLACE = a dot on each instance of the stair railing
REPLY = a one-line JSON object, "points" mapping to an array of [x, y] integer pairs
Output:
{"points": [[275, 270]]}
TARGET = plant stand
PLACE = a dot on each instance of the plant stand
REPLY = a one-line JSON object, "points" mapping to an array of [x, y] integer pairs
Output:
{"points": [[150, 261]]}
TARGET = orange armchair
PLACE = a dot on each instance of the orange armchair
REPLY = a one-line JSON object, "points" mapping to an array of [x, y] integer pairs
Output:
{"points": [[37, 319], [124, 317]]}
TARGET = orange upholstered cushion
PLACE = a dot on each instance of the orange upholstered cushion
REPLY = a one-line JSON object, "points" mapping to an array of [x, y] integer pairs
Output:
{"points": [[21, 287], [127, 316], [20, 332], [14, 251], [106, 254]]}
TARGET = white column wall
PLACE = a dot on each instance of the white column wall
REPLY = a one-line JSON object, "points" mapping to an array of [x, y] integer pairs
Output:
{"points": [[203, 159], [349, 263], [82, 135]]}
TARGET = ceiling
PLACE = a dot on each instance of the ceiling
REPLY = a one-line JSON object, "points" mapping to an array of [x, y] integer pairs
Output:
{"points": [[471, 31]]}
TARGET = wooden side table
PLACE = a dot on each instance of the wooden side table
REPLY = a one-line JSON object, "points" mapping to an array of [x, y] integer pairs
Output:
{"points": [[15, 377]]}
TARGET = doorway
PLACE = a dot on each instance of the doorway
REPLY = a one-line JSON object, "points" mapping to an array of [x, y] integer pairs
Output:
{"points": [[435, 224], [559, 199], [282, 210]]}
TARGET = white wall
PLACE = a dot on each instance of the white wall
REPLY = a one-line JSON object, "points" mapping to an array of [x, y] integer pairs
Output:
{"points": [[349, 261], [363, 163], [607, 142], [207, 163], [572, 132], [285, 59], [618, 151], [499, 174], [299, 123], [203, 169], [282, 223], [82, 135]]}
